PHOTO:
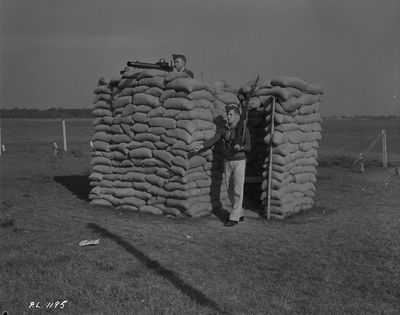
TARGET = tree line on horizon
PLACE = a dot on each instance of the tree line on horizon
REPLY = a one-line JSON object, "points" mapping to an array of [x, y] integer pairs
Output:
{"points": [[51, 113], [62, 113]]}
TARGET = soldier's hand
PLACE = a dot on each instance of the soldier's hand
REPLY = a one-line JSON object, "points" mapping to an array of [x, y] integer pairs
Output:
{"points": [[238, 147]]}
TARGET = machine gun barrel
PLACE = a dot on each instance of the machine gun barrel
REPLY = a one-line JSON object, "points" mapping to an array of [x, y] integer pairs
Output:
{"points": [[160, 65], [148, 65]]}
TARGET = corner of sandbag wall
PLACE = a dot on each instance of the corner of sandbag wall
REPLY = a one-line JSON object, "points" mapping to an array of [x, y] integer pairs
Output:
{"points": [[295, 142], [146, 125]]}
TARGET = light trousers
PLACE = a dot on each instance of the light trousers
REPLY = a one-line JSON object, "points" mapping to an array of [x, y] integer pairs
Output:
{"points": [[234, 178]]}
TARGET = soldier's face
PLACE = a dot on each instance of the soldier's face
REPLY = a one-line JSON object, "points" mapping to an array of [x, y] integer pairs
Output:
{"points": [[233, 118], [179, 64]]}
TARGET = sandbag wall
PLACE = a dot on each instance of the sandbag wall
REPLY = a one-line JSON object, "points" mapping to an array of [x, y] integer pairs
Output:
{"points": [[297, 131], [145, 128]]}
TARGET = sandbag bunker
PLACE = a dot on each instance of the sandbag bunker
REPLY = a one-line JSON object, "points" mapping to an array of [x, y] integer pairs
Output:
{"points": [[147, 123]]}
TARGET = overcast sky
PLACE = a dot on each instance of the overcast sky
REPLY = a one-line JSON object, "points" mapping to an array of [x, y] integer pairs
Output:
{"points": [[53, 52]]}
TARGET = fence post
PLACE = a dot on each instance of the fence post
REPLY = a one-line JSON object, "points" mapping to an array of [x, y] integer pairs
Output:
{"points": [[384, 149], [64, 135]]}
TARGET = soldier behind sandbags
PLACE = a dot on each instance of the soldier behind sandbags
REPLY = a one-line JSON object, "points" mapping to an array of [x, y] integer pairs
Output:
{"points": [[180, 64]]}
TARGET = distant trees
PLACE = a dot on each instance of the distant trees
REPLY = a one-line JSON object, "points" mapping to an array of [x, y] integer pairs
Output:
{"points": [[52, 113], [361, 117]]}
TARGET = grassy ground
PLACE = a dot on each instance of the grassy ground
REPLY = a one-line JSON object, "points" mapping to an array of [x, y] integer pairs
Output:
{"points": [[340, 257]]}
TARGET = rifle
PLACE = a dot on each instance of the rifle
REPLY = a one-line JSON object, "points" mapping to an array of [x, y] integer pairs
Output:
{"points": [[243, 96], [160, 65]]}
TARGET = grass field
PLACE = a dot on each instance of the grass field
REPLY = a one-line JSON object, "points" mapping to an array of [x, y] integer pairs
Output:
{"points": [[351, 137], [342, 257]]}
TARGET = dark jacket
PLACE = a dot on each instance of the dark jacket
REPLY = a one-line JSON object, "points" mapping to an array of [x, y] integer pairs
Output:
{"points": [[190, 73], [228, 136]]}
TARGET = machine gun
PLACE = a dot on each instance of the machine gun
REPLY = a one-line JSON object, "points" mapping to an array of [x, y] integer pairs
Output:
{"points": [[160, 65], [244, 102]]}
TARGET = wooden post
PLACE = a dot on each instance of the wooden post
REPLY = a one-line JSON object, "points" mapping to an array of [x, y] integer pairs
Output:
{"points": [[64, 135], [384, 149], [1, 147], [270, 158], [55, 150]]}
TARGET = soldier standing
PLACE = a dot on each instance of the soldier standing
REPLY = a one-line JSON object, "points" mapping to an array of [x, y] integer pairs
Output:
{"points": [[234, 161]]}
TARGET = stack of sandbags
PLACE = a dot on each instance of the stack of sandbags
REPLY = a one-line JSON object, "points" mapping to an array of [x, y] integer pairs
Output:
{"points": [[188, 117], [136, 95], [101, 163], [297, 131], [156, 119]]}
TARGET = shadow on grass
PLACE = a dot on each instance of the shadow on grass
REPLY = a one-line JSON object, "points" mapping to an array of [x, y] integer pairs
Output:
{"points": [[77, 184], [153, 265], [307, 216]]}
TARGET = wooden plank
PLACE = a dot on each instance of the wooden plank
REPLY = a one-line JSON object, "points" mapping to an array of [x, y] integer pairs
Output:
{"points": [[270, 157]]}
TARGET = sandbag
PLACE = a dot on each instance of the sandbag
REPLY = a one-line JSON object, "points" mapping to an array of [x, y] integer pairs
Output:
{"points": [[150, 73], [128, 110], [172, 186], [167, 123], [100, 202], [155, 91], [121, 102], [167, 94], [295, 103], [156, 112], [101, 146], [157, 130], [287, 81], [99, 112], [150, 209], [200, 95], [146, 99], [102, 89], [94, 176], [102, 103], [142, 186], [101, 136], [140, 128], [140, 118], [143, 108], [163, 156], [153, 82], [168, 140], [171, 113], [127, 82], [141, 137], [180, 134], [197, 113], [178, 103], [283, 93], [184, 84], [160, 145], [140, 153], [128, 91], [155, 180]]}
